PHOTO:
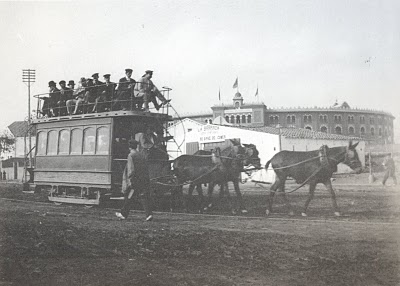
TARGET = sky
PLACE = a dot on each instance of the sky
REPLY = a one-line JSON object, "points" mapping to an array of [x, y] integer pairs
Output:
{"points": [[298, 53]]}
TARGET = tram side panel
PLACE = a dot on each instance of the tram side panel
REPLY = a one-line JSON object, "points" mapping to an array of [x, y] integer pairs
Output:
{"points": [[73, 159]]}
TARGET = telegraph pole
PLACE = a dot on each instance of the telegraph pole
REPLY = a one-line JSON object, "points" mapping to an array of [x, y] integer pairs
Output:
{"points": [[28, 77]]}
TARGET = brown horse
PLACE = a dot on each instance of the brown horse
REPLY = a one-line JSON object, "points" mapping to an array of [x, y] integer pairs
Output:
{"points": [[311, 168]]}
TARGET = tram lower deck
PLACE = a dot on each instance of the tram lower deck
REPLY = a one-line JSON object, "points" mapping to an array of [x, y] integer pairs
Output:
{"points": [[80, 159]]}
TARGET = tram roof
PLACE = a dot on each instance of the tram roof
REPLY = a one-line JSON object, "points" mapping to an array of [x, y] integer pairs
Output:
{"points": [[119, 113]]}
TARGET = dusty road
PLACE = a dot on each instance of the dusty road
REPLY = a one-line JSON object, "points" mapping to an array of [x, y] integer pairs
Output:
{"points": [[44, 244]]}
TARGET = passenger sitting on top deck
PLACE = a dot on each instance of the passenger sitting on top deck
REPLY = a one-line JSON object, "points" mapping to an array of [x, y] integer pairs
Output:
{"points": [[96, 90], [90, 96], [103, 101], [79, 94], [124, 92], [46, 103], [147, 91], [54, 98], [71, 85], [65, 95]]}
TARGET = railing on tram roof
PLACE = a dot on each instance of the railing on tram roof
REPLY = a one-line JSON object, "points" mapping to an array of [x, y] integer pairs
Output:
{"points": [[91, 101]]}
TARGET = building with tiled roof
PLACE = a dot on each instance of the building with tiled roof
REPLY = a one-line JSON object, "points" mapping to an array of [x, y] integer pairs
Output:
{"points": [[340, 119]]}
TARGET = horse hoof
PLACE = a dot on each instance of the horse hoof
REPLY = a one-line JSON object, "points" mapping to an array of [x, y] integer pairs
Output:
{"points": [[303, 214], [267, 212], [291, 213], [234, 212], [205, 209], [244, 211], [337, 213]]}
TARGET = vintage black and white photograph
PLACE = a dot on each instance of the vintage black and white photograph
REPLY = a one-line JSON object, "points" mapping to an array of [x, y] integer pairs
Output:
{"points": [[183, 142]]}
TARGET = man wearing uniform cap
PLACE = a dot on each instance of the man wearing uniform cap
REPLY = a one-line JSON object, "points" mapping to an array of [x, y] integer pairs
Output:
{"points": [[96, 90], [136, 182], [104, 100], [124, 92], [146, 90]]}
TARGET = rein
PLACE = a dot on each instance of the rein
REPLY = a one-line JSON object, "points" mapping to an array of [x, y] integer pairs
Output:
{"points": [[187, 182]]}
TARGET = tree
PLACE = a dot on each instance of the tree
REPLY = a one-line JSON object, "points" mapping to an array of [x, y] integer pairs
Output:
{"points": [[7, 142]]}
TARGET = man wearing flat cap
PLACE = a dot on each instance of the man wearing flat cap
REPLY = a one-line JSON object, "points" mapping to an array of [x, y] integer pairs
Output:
{"points": [[146, 90], [54, 98], [124, 91], [103, 101], [136, 182]]}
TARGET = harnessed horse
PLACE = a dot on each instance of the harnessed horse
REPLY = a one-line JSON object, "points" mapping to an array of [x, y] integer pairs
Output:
{"points": [[311, 168]]}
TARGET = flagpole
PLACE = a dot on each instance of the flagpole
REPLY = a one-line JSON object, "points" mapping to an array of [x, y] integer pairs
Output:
{"points": [[258, 99]]}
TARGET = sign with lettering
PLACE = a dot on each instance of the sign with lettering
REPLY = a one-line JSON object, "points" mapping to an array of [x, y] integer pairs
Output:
{"points": [[211, 133]]}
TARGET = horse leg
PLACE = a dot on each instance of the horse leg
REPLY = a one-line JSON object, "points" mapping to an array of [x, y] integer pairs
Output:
{"points": [[272, 191], [201, 197], [282, 190], [328, 185], [209, 196], [242, 208], [225, 190], [189, 198], [310, 197]]}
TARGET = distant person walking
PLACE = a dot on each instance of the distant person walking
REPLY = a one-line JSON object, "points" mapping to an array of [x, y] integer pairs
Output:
{"points": [[136, 182], [390, 171]]}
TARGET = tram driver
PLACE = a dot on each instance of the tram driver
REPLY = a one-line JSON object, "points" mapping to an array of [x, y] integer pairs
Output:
{"points": [[147, 139]]}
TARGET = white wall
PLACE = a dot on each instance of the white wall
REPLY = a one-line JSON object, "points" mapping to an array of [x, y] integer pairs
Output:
{"points": [[298, 144], [180, 131]]}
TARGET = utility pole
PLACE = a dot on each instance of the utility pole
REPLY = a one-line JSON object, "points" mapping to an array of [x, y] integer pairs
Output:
{"points": [[28, 77]]}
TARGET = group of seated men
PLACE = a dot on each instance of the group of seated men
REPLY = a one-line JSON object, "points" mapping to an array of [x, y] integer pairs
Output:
{"points": [[92, 95]]}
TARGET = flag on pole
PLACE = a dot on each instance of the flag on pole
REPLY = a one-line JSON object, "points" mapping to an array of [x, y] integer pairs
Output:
{"points": [[219, 94], [256, 92], [235, 85]]}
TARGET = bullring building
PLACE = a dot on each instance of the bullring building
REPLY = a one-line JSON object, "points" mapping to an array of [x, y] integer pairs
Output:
{"points": [[372, 125]]}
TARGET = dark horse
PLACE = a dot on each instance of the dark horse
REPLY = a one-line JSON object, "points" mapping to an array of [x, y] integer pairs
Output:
{"points": [[311, 167], [197, 170], [234, 159]]}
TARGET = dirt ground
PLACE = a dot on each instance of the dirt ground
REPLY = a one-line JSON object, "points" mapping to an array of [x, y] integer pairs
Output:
{"points": [[45, 244]]}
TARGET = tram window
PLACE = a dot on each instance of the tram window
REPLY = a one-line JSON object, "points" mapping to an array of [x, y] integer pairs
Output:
{"points": [[89, 138], [52, 143], [102, 140], [63, 142], [76, 141], [41, 145]]}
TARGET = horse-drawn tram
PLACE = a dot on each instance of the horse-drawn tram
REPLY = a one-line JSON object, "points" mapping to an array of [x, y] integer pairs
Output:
{"points": [[81, 158]]}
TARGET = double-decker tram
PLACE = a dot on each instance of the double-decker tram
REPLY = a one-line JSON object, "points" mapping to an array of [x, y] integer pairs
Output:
{"points": [[81, 158]]}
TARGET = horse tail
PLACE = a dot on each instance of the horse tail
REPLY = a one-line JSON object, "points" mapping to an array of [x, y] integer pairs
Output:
{"points": [[267, 164]]}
